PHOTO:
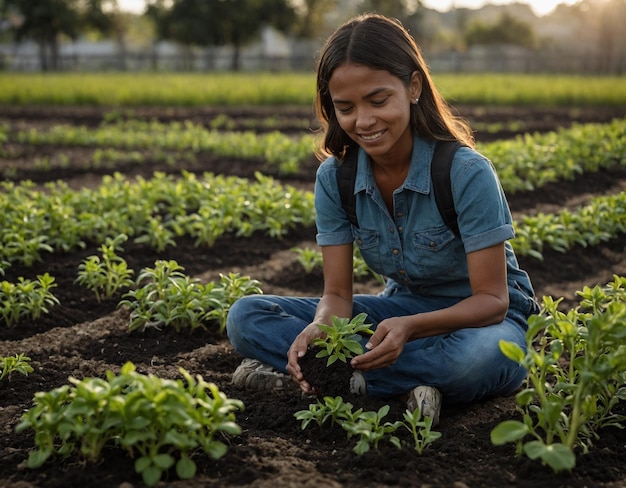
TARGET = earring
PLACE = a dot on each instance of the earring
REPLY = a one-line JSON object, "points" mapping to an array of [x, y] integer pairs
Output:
{"points": [[417, 100]]}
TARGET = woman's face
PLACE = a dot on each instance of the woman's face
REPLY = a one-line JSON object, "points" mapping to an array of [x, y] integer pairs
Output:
{"points": [[374, 108]]}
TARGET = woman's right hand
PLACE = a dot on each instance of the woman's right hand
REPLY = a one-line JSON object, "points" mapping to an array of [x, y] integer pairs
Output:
{"points": [[297, 350]]}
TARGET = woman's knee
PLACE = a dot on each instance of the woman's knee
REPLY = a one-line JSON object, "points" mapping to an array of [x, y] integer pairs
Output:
{"points": [[238, 318]]}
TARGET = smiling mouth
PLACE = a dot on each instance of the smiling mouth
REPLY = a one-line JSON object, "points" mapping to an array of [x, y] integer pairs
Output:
{"points": [[372, 137]]}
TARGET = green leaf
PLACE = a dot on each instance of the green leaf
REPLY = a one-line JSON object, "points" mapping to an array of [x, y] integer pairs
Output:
{"points": [[331, 360], [512, 351], [163, 461], [133, 437], [37, 458], [354, 346], [558, 456], [508, 431], [142, 463], [185, 468], [151, 475], [525, 396], [216, 449]]}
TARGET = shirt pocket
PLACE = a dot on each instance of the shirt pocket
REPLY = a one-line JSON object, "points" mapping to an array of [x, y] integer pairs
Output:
{"points": [[436, 254], [369, 244]]}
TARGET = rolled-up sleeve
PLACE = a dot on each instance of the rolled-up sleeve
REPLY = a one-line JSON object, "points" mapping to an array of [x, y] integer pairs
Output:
{"points": [[484, 216], [489, 238]]}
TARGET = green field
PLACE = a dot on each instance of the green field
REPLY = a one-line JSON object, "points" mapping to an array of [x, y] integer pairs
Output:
{"points": [[219, 89]]}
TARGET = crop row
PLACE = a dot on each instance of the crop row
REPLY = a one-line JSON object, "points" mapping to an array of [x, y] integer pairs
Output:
{"points": [[274, 148], [524, 163], [153, 212], [159, 210], [178, 299], [254, 89]]}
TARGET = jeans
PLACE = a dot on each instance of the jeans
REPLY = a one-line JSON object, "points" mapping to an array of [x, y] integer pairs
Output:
{"points": [[465, 365]]}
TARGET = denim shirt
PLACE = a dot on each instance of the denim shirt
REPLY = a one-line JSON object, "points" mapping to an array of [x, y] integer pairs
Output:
{"points": [[414, 248]]}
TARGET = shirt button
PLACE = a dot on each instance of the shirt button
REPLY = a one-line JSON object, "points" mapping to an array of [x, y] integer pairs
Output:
{"points": [[359, 241], [396, 252], [400, 214], [432, 244], [402, 272], [400, 229]]}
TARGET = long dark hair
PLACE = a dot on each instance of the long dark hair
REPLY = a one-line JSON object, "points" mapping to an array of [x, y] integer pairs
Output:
{"points": [[380, 43]]}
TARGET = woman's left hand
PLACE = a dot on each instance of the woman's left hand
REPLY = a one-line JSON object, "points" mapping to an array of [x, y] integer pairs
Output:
{"points": [[385, 345]]}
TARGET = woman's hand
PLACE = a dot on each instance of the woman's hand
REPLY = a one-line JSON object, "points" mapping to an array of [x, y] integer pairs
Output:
{"points": [[297, 350], [385, 345]]}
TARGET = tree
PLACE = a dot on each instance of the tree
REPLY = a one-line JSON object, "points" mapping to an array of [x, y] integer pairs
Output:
{"points": [[311, 17], [602, 26], [507, 30], [46, 21], [218, 22]]}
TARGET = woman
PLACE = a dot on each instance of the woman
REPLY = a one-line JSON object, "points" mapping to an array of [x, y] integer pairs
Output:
{"points": [[449, 298]]}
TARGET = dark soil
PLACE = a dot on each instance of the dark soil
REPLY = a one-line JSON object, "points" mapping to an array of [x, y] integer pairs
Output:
{"points": [[84, 338]]}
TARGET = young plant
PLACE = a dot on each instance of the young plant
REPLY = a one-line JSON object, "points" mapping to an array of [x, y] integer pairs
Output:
{"points": [[14, 364], [165, 296], [577, 371], [334, 409], [26, 299], [368, 425], [309, 259], [231, 287], [371, 430], [160, 423], [342, 338], [107, 275], [420, 429]]}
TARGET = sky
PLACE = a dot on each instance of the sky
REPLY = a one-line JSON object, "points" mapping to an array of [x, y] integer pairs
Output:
{"points": [[540, 7]]}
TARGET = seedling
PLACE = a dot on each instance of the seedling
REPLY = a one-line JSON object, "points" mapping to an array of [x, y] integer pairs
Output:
{"points": [[420, 429], [342, 338], [368, 425], [14, 364], [371, 430], [334, 409], [108, 275], [165, 296], [309, 259], [26, 298]]}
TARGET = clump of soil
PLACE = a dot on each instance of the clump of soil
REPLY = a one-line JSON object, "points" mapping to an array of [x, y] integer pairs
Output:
{"points": [[326, 380]]}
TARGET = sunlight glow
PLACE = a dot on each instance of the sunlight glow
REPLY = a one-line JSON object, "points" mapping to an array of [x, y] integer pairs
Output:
{"points": [[540, 7]]}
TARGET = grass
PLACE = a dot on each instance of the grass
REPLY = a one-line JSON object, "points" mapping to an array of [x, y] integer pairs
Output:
{"points": [[263, 89]]}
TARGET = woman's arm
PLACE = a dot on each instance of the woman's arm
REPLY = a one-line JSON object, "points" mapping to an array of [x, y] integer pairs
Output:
{"points": [[336, 300], [487, 305]]}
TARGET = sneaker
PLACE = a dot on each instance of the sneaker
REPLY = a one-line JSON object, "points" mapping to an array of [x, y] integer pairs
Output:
{"points": [[252, 374], [357, 384], [428, 400]]}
